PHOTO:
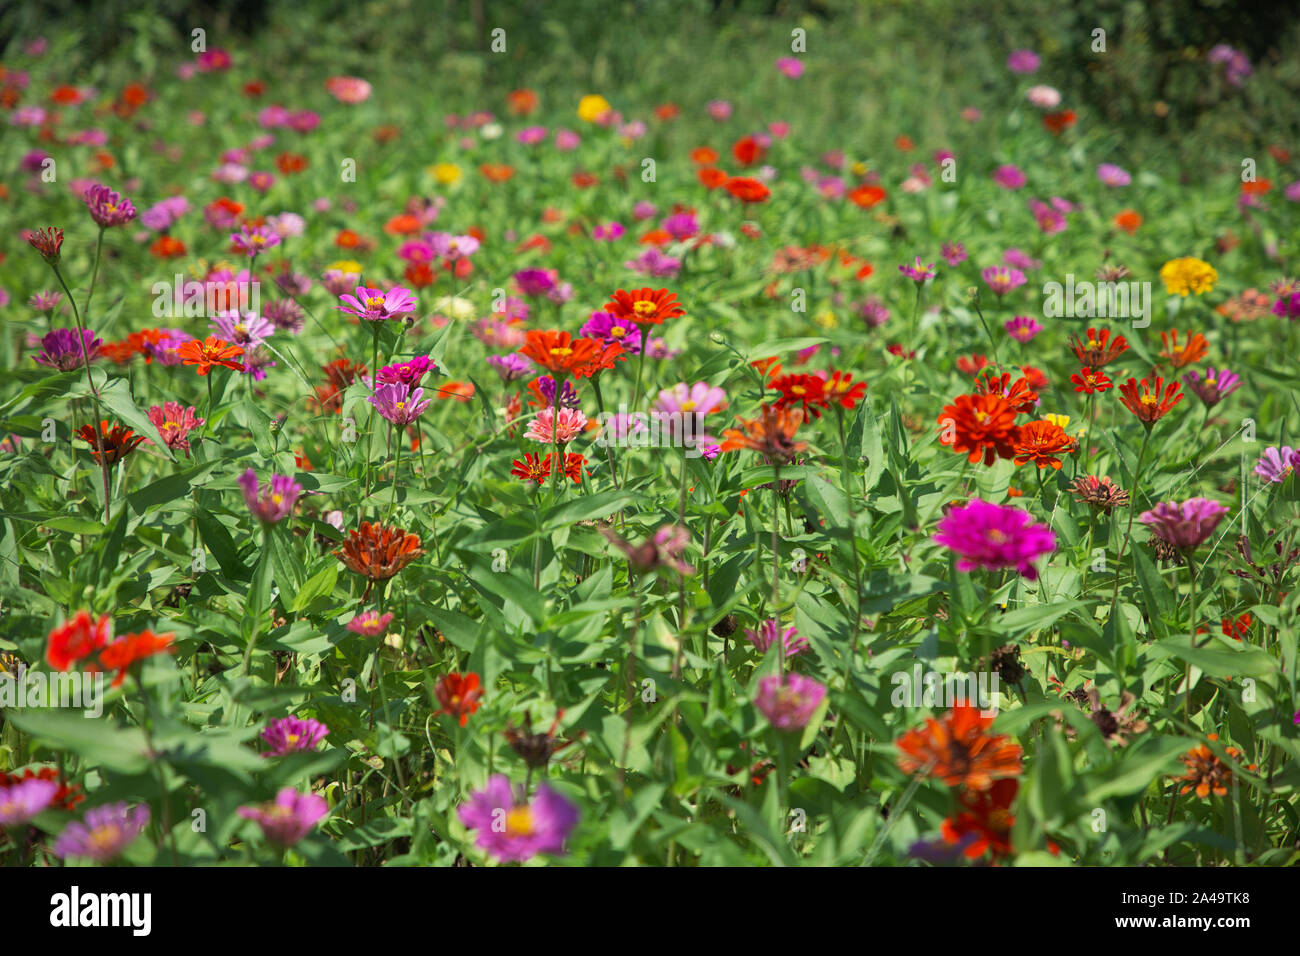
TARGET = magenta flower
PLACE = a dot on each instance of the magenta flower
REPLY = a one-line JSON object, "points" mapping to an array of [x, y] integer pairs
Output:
{"points": [[108, 208], [1184, 525], [399, 404], [512, 366], [608, 232], [254, 240], [535, 282], [104, 833], [1277, 463], [654, 263], [665, 549], [23, 800], [61, 349], [766, 636], [409, 373], [1022, 328], [918, 273], [369, 623], [1050, 219], [289, 734], [993, 536], [1214, 387], [1113, 176], [1009, 177], [513, 829], [1023, 61], [681, 225], [289, 818], [568, 394], [276, 502], [285, 314], [790, 66], [613, 331], [447, 246], [953, 253], [1002, 279], [174, 423], [790, 704], [374, 305], [1288, 306], [248, 330]]}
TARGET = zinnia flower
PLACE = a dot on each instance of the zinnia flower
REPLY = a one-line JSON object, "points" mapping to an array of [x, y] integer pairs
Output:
{"points": [[212, 351], [993, 536], [289, 734], [1150, 404], [960, 750], [21, 801], [369, 623], [980, 426], [1214, 387], [374, 305], [1276, 464], [1188, 275], [1184, 525], [789, 704], [459, 695], [513, 828], [104, 832], [113, 443], [648, 306], [62, 349], [378, 552], [399, 404], [290, 818], [1040, 442], [276, 502], [108, 208], [767, 634]]}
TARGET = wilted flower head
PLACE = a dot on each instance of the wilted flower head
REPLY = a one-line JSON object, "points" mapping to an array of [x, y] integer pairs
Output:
{"points": [[1099, 492], [1184, 525], [662, 550]]}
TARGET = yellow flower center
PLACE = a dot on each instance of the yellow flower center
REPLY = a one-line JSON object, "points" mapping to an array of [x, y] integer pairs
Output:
{"points": [[105, 836], [643, 307], [519, 821], [560, 350], [374, 302], [688, 406]]}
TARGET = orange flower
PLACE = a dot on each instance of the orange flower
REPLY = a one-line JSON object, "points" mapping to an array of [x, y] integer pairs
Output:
{"points": [[712, 178], [904, 144], [1257, 187], [378, 552], [1057, 123], [1206, 772], [747, 151], [459, 696], [867, 196], [521, 102], [648, 306], [841, 388], [1099, 350], [703, 156], [1086, 380], [747, 189], [115, 443], [290, 163], [771, 434], [959, 750], [211, 351], [1128, 219], [347, 239], [1151, 405], [1193, 350], [497, 172], [561, 354], [1019, 394], [460, 391], [980, 426], [167, 247], [129, 648], [1040, 442], [667, 111], [403, 224], [986, 820]]}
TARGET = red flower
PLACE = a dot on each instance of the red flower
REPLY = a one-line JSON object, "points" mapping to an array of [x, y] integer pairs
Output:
{"points": [[747, 189], [561, 354], [76, 639], [114, 443], [841, 388], [986, 820], [867, 196], [1086, 380], [459, 695], [1059, 122], [1098, 350], [47, 242], [980, 426], [1151, 404], [211, 351], [806, 392], [747, 151], [130, 648], [645, 305]]}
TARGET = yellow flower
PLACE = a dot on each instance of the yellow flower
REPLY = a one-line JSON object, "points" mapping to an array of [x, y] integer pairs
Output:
{"points": [[445, 173], [859, 168], [1188, 275], [345, 265], [592, 107], [1059, 421], [826, 320]]}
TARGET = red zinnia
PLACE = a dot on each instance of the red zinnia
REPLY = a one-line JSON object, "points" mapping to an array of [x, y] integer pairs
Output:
{"points": [[747, 189], [645, 305], [211, 351], [75, 639], [459, 695], [1152, 403]]}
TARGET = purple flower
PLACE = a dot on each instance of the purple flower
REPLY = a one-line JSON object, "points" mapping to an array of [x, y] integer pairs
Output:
{"points": [[248, 330], [1277, 463], [399, 404], [1009, 177], [654, 263], [61, 349], [276, 502], [107, 207], [162, 215], [289, 818], [409, 373], [285, 314], [1022, 328], [511, 366], [1214, 387], [993, 536], [447, 246], [104, 833], [918, 273], [1288, 306], [766, 636], [790, 704], [254, 240], [1184, 525], [874, 312], [1113, 176], [1023, 62], [953, 253], [1002, 279], [535, 282], [568, 394], [681, 225], [613, 331], [46, 301], [374, 305], [514, 829], [288, 734], [25, 799]]}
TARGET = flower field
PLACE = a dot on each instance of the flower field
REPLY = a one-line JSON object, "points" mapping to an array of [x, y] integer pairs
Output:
{"points": [[504, 456]]}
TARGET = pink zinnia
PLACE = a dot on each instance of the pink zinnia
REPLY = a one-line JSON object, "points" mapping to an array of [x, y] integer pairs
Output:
{"points": [[790, 704], [105, 832], [20, 802], [375, 305], [1002, 279], [174, 423], [1184, 525], [766, 636], [369, 623], [273, 504], [988, 535], [1022, 328], [289, 818], [544, 427], [108, 208], [289, 734], [514, 829]]}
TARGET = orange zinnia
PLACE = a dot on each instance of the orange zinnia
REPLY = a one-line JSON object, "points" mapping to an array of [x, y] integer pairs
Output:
{"points": [[1128, 219], [649, 306], [211, 351], [115, 443], [1152, 403], [1193, 350], [378, 552], [959, 750], [1040, 442], [747, 189], [867, 196], [561, 354], [980, 426], [497, 172], [1099, 350], [704, 156], [771, 434], [129, 648], [712, 178], [1019, 394]]}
